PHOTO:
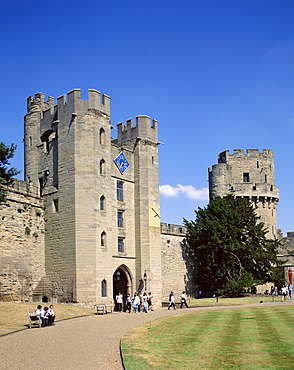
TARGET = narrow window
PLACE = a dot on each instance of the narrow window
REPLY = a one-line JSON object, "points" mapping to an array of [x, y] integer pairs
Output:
{"points": [[265, 178], [120, 220], [55, 204], [103, 239], [30, 141], [246, 177], [103, 288], [120, 245], [119, 191], [102, 136], [102, 203], [257, 164], [102, 167]]}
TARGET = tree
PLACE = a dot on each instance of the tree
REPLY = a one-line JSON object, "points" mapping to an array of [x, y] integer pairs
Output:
{"points": [[6, 174], [229, 246]]}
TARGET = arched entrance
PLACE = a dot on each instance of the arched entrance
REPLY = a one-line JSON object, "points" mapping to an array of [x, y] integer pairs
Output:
{"points": [[122, 282]]}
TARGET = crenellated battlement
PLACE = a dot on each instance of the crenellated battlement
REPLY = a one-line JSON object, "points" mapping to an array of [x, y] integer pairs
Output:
{"points": [[145, 128], [171, 229], [69, 103], [225, 156]]}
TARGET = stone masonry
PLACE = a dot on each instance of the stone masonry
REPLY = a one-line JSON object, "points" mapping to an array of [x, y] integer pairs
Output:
{"points": [[249, 175]]}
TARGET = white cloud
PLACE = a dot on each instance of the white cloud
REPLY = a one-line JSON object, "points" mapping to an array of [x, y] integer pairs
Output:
{"points": [[189, 191]]}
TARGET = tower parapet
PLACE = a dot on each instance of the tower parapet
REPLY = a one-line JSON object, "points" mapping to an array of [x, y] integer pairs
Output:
{"points": [[145, 129]]}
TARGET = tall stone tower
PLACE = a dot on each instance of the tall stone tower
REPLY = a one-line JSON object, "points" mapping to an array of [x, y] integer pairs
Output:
{"points": [[101, 196], [249, 175]]}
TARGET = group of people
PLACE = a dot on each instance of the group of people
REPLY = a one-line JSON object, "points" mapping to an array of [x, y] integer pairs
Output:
{"points": [[135, 302], [172, 302], [284, 291], [47, 315]]}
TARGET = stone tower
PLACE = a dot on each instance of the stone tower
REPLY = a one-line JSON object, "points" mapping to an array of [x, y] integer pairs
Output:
{"points": [[101, 196], [249, 175]]}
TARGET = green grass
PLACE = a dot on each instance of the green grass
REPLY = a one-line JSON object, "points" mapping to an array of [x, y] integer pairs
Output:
{"points": [[13, 316], [238, 338]]}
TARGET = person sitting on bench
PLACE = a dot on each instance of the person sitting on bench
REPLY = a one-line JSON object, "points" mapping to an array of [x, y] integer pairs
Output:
{"points": [[45, 316], [51, 317]]}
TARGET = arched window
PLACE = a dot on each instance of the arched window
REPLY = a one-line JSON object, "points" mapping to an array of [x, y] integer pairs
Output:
{"points": [[103, 239], [102, 136], [102, 203], [102, 167], [103, 288]]}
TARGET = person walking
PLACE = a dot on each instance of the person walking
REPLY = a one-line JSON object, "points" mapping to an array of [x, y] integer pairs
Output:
{"points": [[119, 301], [183, 300], [172, 301]]}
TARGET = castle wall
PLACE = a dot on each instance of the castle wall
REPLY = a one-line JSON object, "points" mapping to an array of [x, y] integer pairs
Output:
{"points": [[176, 271], [22, 251]]}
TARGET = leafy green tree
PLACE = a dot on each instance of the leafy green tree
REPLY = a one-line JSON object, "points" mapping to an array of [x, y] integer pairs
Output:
{"points": [[6, 174], [230, 247]]}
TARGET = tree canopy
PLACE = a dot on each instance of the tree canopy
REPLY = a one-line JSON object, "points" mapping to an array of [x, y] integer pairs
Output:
{"points": [[6, 173], [230, 247]]}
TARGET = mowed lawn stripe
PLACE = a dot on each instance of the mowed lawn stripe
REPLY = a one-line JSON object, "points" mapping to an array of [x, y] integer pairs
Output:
{"points": [[238, 338]]}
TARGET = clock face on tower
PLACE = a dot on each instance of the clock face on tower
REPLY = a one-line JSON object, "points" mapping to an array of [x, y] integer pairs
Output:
{"points": [[122, 163]]}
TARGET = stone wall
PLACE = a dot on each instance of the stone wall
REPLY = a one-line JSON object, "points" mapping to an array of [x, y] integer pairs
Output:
{"points": [[176, 270], [22, 255]]}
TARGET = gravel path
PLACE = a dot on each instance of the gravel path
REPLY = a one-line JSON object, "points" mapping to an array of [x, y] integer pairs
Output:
{"points": [[91, 342]]}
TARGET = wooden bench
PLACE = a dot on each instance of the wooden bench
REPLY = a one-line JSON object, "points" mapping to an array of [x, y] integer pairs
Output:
{"points": [[34, 319], [103, 309]]}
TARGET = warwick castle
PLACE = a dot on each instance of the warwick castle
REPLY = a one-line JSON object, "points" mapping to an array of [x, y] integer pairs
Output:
{"points": [[85, 222]]}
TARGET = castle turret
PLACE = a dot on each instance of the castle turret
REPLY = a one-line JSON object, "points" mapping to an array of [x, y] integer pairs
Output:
{"points": [[249, 175]]}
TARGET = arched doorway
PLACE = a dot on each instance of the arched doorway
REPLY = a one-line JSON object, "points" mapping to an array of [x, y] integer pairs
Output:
{"points": [[122, 282]]}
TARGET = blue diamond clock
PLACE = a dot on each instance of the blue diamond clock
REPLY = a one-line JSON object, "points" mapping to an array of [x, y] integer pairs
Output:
{"points": [[122, 163]]}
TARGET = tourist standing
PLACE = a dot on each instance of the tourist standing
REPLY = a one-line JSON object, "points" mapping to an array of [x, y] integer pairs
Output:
{"points": [[119, 301], [145, 302], [129, 303], [290, 290], [150, 305], [136, 302]]}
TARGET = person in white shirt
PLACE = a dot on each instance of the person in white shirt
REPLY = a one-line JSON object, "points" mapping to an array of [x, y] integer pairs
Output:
{"points": [[136, 302], [183, 300], [51, 317], [119, 301]]}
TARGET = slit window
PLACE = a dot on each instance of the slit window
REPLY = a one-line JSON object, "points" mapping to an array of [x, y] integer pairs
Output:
{"points": [[102, 203]]}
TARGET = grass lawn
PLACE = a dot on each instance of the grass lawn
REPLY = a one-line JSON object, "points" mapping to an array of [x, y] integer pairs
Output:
{"points": [[238, 338], [13, 316]]}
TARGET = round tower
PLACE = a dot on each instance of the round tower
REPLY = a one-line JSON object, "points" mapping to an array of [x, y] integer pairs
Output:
{"points": [[249, 175]]}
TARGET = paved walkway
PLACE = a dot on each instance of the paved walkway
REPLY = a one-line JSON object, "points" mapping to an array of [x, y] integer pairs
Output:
{"points": [[91, 342]]}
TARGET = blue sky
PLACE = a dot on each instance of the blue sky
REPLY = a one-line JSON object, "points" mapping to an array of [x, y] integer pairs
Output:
{"points": [[217, 75]]}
